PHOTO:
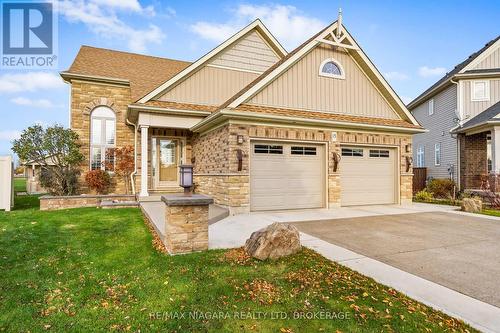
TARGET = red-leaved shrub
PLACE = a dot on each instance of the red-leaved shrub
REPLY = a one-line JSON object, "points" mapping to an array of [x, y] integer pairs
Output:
{"points": [[98, 180]]}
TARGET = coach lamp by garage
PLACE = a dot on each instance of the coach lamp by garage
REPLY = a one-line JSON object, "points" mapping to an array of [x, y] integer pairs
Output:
{"points": [[186, 178]]}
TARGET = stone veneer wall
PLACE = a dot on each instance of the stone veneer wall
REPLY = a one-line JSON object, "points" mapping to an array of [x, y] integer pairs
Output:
{"points": [[473, 160], [86, 96], [49, 202], [216, 164]]}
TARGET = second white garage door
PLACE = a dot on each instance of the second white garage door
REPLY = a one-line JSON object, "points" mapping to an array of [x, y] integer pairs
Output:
{"points": [[367, 176], [286, 176]]}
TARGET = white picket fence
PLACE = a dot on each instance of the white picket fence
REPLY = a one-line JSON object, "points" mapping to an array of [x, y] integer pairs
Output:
{"points": [[6, 183]]}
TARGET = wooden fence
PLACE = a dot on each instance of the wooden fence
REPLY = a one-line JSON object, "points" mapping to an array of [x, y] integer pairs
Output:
{"points": [[419, 177]]}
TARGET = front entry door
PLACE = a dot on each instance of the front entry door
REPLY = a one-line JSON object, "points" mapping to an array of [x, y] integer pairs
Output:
{"points": [[167, 158]]}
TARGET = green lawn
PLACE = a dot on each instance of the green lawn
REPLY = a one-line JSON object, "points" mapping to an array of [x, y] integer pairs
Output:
{"points": [[95, 270], [19, 185]]}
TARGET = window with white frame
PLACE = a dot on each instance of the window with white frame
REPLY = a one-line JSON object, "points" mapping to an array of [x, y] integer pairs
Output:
{"points": [[331, 68], [431, 107], [480, 90], [437, 154], [102, 138], [420, 157]]}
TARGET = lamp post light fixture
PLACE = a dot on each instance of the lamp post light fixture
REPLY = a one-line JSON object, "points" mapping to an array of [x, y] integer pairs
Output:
{"points": [[186, 178]]}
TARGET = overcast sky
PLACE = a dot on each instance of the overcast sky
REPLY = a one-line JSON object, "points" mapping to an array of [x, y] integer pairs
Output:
{"points": [[412, 43]]}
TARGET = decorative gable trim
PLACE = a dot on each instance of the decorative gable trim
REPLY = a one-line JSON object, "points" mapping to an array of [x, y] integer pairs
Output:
{"points": [[340, 37], [257, 24]]}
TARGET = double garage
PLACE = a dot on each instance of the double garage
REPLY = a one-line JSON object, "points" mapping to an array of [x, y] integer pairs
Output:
{"points": [[293, 175]]}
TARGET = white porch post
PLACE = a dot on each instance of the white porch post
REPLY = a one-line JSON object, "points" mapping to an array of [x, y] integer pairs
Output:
{"points": [[495, 150], [144, 161]]}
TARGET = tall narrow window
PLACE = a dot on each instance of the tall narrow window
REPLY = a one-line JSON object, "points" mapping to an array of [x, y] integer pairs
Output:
{"points": [[420, 157], [437, 154], [431, 107], [102, 138]]}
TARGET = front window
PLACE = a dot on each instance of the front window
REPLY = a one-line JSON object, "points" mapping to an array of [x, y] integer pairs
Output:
{"points": [[488, 152], [331, 68], [480, 90], [420, 157], [437, 154], [102, 143]]}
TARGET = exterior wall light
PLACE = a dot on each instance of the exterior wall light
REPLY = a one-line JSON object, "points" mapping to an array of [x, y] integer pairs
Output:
{"points": [[239, 139], [408, 148], [186, 178]]}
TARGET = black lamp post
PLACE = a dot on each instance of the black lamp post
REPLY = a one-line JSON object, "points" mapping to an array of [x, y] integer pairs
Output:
{"points": [[186, 178]]}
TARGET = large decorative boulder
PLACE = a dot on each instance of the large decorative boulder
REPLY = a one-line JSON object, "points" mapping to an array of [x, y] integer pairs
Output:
{"points": [[472, 205], [273, 242]]}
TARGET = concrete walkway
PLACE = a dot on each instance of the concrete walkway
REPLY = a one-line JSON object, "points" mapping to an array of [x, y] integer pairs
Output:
{"points": [[234, 230]]}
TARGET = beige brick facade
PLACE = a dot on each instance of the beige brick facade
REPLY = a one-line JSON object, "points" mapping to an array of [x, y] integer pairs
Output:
{"points": [[86, 96], [216, 164]]}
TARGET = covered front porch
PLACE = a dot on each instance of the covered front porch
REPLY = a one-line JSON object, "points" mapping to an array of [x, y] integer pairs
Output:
{"points": [[165, 144], [480, 159]]}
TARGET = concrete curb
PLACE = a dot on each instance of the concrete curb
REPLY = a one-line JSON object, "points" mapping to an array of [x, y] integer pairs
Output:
{"points": [[480, 315]]}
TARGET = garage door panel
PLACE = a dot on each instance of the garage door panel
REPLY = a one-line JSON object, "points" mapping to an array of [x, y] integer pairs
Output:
{"points": [[367, 180], [287, 181]]}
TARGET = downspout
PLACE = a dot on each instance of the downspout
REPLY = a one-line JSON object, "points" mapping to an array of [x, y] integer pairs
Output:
{"points": [[459, 104], [132, 175]]}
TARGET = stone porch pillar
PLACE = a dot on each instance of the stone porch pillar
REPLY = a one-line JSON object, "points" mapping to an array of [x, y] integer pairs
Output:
{"points": [[144, 161], [186, 222]]}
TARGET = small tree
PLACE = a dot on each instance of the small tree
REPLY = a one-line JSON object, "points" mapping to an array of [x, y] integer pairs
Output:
{"points": [[124, 164], [57, 151]]}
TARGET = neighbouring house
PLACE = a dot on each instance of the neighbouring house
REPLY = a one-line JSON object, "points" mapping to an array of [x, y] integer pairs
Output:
{"points": [[263, 128], [461, 112], [32, 172]]}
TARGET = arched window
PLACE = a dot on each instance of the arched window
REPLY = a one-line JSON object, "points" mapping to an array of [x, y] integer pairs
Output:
{"points": [[102, 138], [331, 68]]}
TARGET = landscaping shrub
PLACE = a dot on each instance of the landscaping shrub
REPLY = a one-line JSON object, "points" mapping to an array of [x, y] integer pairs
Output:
{"points": [[98, 180], [62, 181], [423, 196], [441, 188]]}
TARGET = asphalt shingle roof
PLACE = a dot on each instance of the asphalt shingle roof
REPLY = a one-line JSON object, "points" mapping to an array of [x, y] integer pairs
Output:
{"points": [[482, 118]]}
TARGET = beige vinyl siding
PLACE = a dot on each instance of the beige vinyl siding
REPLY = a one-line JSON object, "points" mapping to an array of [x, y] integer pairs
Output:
{"points": [[209, 85], [473, 108], [251, 52], [491, 61], [301, 87], [445, 104]]}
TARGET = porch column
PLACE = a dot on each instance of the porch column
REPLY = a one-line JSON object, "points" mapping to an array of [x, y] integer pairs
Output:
{"points": [[495, 150], [144, 161]]}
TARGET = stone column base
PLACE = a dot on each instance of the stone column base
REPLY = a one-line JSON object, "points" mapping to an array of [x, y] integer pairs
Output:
{"points": [[186, 223]]}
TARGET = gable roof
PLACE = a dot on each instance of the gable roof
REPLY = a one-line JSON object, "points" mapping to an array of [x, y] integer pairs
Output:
{"points": [[460, 68], [141, 72], [488, 116], [280, 67], [257, 24]]}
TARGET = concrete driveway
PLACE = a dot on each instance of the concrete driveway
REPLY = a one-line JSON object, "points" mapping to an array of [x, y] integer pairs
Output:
{"points": [[458, 251]]}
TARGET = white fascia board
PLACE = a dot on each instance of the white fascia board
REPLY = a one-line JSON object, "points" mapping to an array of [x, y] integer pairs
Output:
{"points": [[281, 68], [481, 57], [284, 66], [201, 61], [381, 78]]}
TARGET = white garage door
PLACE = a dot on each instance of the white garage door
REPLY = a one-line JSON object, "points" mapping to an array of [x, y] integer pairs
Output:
{"points": [[286, 176], [367, 176]]}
